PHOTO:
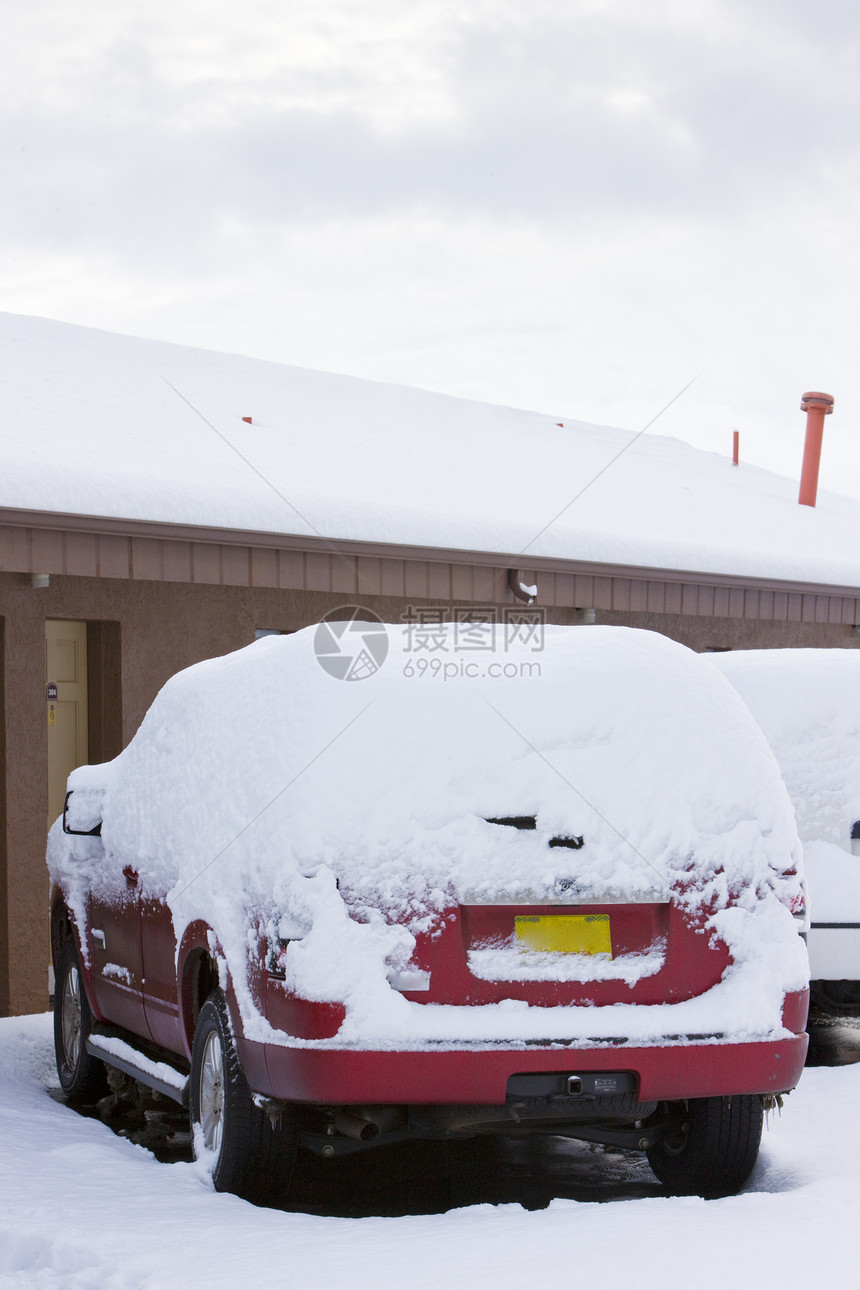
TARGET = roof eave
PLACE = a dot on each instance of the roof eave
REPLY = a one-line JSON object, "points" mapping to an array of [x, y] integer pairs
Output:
{"points": [[348, 549]]}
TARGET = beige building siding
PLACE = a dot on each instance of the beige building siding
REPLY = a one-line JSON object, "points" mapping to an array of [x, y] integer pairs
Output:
{"points": [[157, 599], [103, 548]]}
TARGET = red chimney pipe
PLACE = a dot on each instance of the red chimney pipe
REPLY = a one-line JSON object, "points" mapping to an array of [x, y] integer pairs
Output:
{"points": [[816, 406]]}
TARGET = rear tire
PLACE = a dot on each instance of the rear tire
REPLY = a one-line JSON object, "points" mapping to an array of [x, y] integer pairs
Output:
{"points": [[710, 1147], [82, 1077], [245, 1152]]}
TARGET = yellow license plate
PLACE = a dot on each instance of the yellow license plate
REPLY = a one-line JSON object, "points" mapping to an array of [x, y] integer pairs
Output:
{"points": [[564, 933]]}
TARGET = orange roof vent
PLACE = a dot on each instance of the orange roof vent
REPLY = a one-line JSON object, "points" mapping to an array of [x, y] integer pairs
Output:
{"points": [[817, 406]]}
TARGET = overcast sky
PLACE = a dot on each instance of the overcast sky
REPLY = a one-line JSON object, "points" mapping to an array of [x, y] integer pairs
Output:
{"points": [[575, 206]]}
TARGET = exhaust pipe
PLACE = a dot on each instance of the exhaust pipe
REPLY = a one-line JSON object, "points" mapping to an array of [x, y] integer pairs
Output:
{"points": [[816, 406], [365, 1123], [355, 1126]]}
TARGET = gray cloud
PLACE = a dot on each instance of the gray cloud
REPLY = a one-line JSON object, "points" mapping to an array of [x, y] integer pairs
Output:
{"points": [[557, 120]]}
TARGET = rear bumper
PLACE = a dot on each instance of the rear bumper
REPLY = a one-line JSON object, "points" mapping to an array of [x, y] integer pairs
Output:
{"points": [[664, 1072]]}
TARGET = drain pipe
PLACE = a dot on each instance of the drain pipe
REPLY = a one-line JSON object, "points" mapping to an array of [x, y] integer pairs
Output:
{"points": [[816, 406]]}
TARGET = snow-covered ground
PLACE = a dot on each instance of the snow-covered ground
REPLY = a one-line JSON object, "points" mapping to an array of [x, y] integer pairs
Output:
{"points": [[84, 1208]]}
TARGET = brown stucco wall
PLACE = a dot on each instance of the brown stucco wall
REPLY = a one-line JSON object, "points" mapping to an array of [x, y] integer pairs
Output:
{"points": [[4, 902], [26, 879], [163, 627]]}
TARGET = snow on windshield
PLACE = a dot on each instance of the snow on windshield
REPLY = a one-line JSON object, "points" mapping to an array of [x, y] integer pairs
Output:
{"points": [[261, 791]]}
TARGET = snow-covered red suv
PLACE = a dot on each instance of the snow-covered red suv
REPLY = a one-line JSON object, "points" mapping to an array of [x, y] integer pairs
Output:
{"points": [[332, 899]]}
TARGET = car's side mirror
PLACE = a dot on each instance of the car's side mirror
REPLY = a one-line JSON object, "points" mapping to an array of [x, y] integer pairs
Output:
{"points": [[82, 814]]}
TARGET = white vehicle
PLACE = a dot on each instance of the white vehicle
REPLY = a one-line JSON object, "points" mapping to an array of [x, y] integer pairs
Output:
{"points": [[807, 702]]}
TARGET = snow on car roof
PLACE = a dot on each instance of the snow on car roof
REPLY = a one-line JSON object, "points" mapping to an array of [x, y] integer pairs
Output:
{"points": [[109, 425], [260, 787]]}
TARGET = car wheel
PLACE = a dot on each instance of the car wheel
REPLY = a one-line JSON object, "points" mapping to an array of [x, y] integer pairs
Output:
{"points": [[244, 1150], [82, 1076], [710, 1146]]}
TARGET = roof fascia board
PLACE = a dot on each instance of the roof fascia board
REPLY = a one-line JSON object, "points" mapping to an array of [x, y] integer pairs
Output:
{"points": [[350, 548]]}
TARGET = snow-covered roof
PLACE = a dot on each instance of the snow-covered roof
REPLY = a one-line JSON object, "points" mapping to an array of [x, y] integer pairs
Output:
{"points": [[104, 425]]}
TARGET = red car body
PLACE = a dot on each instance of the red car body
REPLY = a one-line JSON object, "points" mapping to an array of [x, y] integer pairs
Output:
{"points": [[159, 1000]]}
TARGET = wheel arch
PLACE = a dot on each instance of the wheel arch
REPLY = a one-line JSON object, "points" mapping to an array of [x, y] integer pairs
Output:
{"points": [[62, 925], [65, 927], [198, 977]]}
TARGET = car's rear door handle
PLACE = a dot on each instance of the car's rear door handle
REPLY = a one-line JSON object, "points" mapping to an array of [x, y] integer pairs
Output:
{"points": [[131, 875]]}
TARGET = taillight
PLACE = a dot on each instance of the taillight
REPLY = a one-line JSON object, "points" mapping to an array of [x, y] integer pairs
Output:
{"points": [[797, 903], [800, 911]]}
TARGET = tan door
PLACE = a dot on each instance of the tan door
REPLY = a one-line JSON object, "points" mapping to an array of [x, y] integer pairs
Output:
{"points": [[67, 706]]}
